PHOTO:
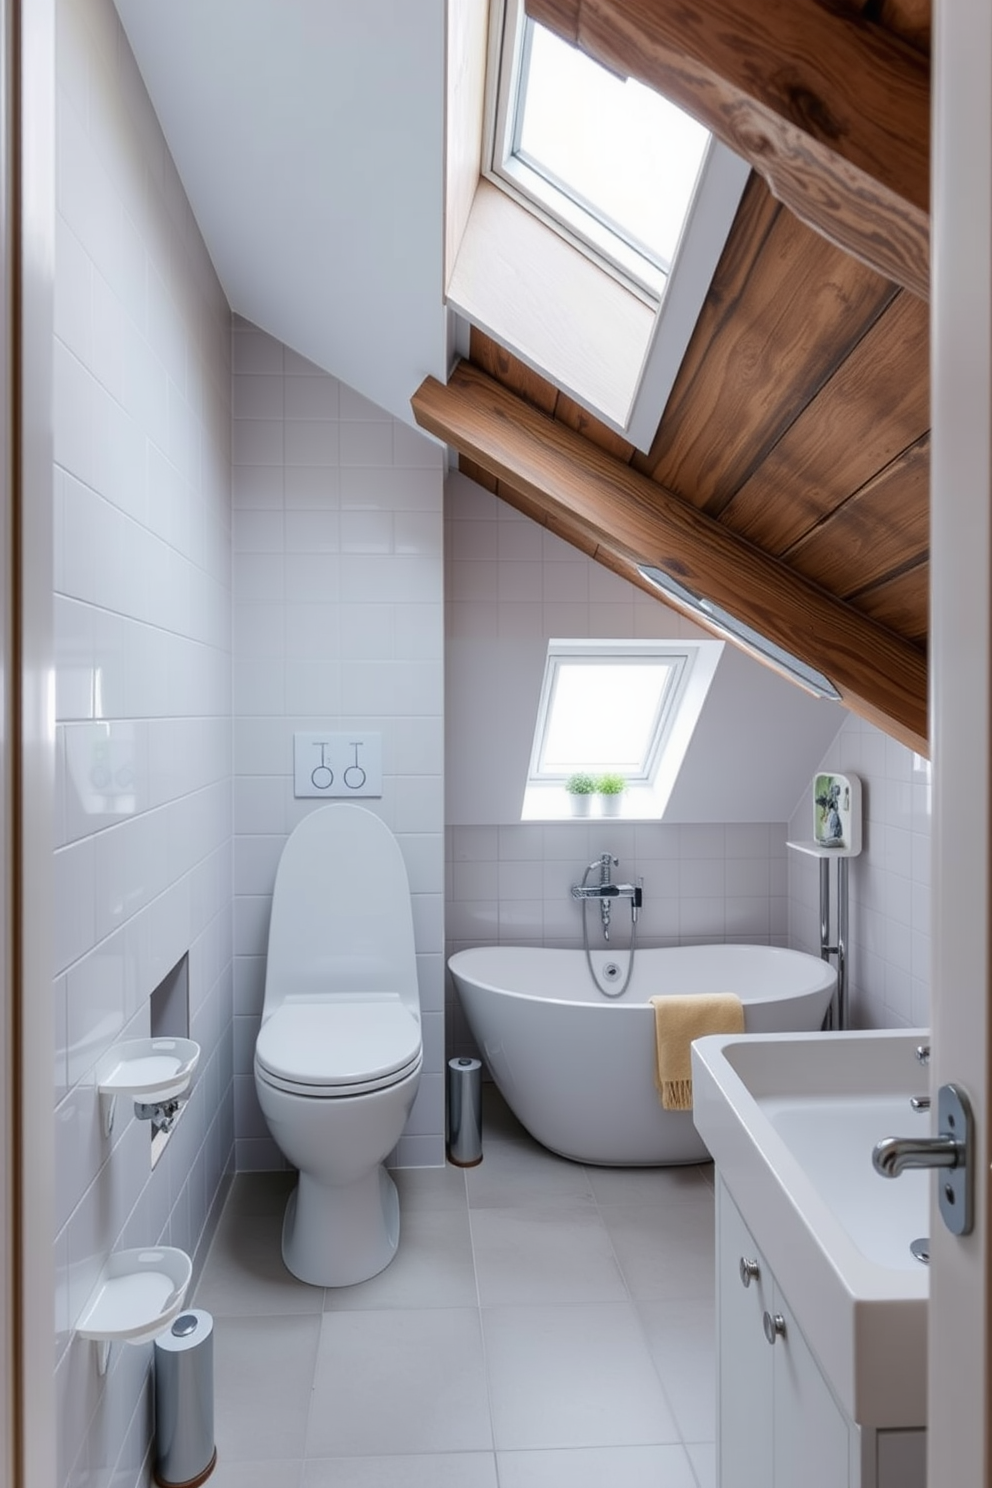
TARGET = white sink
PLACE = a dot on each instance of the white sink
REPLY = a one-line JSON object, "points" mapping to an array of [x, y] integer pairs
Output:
{"points": [[790, 1121]]}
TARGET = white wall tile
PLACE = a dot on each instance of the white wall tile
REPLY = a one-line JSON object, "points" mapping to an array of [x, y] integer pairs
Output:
{"points": [[413, 449], [312, 488], [366, 532], [257, 397], [259, 531], [142, 517], [258, 487], [889, 951], [254, 351], [312, 397], [316, 532], [257, 441], [311, 442], [340, 556], [313, 577], [366, 443]]}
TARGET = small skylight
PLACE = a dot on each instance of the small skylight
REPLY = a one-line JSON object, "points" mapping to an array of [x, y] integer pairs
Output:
{"points": [[618, 149], [602, 713], [585, 215], [616, 707], [608, 161]]}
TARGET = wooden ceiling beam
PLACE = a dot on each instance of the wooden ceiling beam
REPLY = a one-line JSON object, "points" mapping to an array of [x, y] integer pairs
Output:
{"points": [[832, 110], [878, 675]]}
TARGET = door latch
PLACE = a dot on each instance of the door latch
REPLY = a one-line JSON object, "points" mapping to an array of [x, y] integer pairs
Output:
{"points": [[950, 1151]]}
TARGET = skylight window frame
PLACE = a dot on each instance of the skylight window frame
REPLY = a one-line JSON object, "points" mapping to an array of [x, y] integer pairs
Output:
{"points": [[563, 653], [648, 791], [608, 344], [635, 266]]}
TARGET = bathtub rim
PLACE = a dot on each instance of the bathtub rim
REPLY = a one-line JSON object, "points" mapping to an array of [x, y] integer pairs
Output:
{"points": [[826, 982]]}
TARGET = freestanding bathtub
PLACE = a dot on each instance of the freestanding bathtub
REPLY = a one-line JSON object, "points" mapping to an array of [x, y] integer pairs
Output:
{"points": [[578, 1069]]}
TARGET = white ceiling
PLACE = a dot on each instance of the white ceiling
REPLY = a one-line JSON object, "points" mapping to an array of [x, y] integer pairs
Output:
{"points": [[309, 136]]}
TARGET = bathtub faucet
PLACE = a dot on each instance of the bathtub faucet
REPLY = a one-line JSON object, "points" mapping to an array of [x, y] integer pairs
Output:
{"points": [[606, 890]]}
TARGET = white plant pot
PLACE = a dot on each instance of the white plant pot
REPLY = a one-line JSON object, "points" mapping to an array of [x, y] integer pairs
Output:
{"points": [[580, 805], [610, 805]]}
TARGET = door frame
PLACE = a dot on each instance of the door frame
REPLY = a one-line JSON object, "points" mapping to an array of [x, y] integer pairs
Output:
{"points": [[960, 705], [28, 85]]}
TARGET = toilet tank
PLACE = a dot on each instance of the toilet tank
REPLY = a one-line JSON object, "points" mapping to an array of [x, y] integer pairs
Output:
{"points": [[342, 922]]}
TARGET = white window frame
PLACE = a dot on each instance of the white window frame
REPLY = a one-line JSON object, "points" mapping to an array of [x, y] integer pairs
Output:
{"points": [[601, 336], [647, 794], [503, 165]]}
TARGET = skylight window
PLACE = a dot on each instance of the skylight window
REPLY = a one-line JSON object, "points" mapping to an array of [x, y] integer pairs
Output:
{"points": [[610, 163], [584, 215], [623, 707], [603, 714], [618, 151]]}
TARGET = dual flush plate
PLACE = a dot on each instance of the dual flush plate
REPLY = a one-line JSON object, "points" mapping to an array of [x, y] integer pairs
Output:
{"points": [[337, 765]]}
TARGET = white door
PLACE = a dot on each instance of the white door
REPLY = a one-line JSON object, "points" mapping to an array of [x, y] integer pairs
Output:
{"points": [[961, 696]]}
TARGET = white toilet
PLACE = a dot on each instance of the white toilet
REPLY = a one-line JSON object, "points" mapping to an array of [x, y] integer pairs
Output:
{"points": [[339, 1052]]}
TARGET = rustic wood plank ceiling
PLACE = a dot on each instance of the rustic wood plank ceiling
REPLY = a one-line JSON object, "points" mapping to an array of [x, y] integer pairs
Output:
{"points": [[789, 476]]}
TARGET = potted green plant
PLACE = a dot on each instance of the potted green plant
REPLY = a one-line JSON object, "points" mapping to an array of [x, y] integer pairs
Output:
{"points": [[610, 788], [581, 788]]}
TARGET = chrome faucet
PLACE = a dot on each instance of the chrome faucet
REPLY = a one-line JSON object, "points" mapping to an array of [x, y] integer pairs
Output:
{"points": [[606, 890]]}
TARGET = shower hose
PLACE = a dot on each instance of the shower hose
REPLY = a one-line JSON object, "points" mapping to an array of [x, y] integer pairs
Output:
{"points": [[610, 992]]}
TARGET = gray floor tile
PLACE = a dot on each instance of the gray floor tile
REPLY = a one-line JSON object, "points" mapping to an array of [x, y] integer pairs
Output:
{"points": [[682, 1338], [229, 1474], [572, 1376], [703, 1458], [260, 1193], [263, 1376], [430, 1188], [244, 1272], [665, 1251], [513, 1174], [391, 1387], [597, 1467], [558, 1254], [400, 1381], [427, 1470], [433, 1267]]}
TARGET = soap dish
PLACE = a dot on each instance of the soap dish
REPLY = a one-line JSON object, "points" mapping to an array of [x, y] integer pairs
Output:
{"points": [[150, 1069], [138, 1294]]}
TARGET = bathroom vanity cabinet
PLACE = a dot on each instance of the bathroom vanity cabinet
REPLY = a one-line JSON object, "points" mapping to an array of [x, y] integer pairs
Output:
{"points": [[778, 1422]]}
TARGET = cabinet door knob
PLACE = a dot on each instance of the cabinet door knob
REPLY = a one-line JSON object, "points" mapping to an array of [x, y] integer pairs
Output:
{"points": [[774, 1326], [750, 1271]]}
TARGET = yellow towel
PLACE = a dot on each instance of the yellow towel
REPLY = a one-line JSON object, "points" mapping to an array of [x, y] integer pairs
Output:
{"points": [[679, 1020]]}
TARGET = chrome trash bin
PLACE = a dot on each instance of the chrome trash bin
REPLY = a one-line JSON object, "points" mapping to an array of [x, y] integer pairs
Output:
{"points": [[185, 1453], [465, 1112]]}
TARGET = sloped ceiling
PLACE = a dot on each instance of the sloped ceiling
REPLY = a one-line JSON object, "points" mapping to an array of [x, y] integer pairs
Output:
{"points": [[788, 481], [789, 478], [309, 139]]}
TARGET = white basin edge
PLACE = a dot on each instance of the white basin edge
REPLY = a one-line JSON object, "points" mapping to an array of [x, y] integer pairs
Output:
{"points": [[866, 1323]]}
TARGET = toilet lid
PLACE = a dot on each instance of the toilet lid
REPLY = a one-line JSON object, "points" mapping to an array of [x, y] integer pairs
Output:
{"points": [[339, 1044]]}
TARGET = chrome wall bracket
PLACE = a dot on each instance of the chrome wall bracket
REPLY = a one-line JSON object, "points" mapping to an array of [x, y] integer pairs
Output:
{"points": [[838, 1012]]}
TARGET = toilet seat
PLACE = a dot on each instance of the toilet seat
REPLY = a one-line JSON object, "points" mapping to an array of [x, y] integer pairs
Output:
{"points": [[344, 1047]]}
